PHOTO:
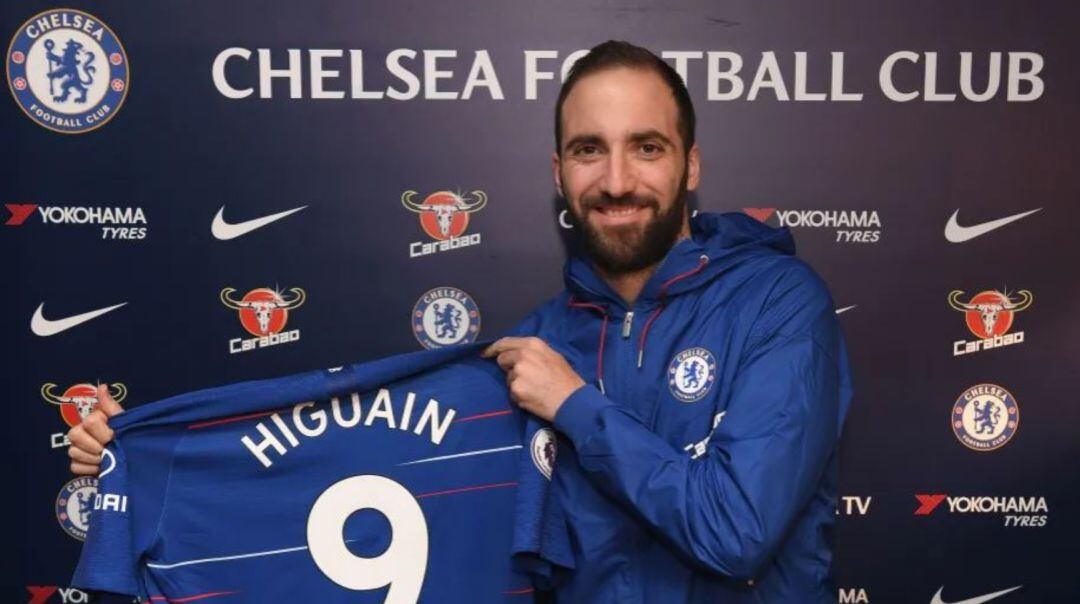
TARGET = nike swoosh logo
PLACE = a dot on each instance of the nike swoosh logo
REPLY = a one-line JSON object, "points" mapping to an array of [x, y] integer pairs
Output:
{"points": [[959, 234], [225, 231], [976, 600], [845, 309], [44, 327]]}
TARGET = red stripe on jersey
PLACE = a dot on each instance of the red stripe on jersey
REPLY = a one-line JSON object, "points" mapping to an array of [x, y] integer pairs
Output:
{"points": [[483, 416], [498, 485], [229, 420], [193, 598]]}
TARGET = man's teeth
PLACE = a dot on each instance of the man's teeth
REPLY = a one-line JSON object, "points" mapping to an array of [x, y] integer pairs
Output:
{"points": [[619, 211]]}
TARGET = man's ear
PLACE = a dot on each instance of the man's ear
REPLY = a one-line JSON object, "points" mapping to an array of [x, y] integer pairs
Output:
{"points": [[693, 168], [556, 174]]}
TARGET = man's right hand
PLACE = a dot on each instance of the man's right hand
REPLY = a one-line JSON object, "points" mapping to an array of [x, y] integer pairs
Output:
{"points": [[89, 438]]}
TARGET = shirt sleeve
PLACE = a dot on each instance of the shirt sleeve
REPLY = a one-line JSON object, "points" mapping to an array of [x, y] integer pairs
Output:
{"points": [[126, 511], [540, 543], [730, 509]]}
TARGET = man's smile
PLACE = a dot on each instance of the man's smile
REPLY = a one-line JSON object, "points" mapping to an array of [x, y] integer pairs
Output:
{"points": [[618, 214]]}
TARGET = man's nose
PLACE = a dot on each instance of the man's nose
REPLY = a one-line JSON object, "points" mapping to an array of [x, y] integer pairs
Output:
{"points": [[620, 177]]}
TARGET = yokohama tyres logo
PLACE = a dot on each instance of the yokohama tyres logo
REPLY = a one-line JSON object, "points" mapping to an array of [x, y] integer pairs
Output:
{"points": [[851, 226], [43, 594], [116, 222], [928, 503], [1031, 511]]}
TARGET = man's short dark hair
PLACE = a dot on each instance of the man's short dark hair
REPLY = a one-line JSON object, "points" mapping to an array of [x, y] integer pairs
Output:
{"points": [[613, 54]]}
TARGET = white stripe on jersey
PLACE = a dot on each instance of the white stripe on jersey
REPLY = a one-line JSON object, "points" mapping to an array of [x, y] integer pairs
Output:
{"points": [[456, 455], [227, 558]]}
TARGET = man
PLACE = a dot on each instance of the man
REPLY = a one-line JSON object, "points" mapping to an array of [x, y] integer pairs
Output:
{"points": [[694, 370], [697, 463]]}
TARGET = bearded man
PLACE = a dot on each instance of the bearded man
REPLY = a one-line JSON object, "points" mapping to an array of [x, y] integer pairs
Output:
{"points": [[693, 369]]}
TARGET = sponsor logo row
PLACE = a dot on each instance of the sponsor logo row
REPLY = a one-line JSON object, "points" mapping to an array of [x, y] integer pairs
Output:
{"points": [[443, 316], [444, 216], [1012, 510], [44, 594], [861, 595], [79, 497], [448, 315]]}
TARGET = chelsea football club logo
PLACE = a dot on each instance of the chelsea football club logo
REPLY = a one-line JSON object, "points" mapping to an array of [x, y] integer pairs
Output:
{"points": [[73, 505], [985, 417], [67, 70], [445, 316], [691, 374]]}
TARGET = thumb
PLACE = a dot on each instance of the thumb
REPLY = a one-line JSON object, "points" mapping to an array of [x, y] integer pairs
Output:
{"points": [[106, 402]]}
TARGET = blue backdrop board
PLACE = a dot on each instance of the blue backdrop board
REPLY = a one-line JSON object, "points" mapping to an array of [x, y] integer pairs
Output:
{"points": [[198, 193]]}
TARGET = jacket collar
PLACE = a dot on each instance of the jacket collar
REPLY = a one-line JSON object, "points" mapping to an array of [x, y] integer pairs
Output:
{"points": [[718, 243]]}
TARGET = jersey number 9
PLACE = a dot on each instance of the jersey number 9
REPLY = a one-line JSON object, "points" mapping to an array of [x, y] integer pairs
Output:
{"points": [[402, 566]]}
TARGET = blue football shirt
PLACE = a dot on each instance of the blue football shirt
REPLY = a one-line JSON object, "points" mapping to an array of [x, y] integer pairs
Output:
{"points": [[392, 481]]}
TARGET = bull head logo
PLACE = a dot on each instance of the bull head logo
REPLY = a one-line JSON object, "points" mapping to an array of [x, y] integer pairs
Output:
{"points": [[990, 313], [263, 311], [79, 400], [444, 214]]}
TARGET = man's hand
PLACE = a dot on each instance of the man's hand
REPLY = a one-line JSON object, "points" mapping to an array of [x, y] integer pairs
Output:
{"points": [[539, 379], [89, 438]]}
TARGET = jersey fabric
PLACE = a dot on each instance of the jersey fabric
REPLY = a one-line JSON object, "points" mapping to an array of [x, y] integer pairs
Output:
{"points": [[698, 465], [392, 481]]}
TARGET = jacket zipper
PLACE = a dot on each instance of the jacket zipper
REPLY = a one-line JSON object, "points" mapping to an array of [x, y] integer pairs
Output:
{"points": [[624, 387]]}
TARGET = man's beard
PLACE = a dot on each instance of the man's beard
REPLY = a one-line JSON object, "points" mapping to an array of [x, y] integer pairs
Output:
{"points": [[628, 248]]}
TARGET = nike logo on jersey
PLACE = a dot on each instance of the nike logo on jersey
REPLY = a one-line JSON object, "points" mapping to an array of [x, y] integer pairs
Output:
{"points": [[959, 234], [976, 600], [845, 309], [224, 231], [44, 327]]}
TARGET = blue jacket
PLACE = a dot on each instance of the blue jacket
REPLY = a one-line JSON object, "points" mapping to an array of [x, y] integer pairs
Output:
{"points": [[698, 464]]}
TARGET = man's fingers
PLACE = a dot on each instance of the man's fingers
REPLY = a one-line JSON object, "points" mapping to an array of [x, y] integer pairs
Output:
{"points": [[106, 402], [81, 456], [96, 425], [83, 468], [80, 439], [508, 359], [502, 345]]}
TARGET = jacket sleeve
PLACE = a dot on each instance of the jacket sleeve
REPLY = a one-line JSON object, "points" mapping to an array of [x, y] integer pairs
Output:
{"points": [[729, 509]]}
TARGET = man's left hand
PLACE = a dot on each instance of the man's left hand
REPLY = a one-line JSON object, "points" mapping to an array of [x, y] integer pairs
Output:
{"points": [[540, 380]]}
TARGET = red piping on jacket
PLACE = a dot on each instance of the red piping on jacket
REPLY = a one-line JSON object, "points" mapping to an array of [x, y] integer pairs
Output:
{"points": [[603, 336], [702, 261]]}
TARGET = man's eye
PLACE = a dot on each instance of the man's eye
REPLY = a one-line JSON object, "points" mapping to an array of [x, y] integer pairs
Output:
{"points": [[651, 148], [586, 150]]}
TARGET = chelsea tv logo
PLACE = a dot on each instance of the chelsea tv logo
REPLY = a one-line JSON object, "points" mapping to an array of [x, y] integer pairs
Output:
{"points": [[67, 70]]}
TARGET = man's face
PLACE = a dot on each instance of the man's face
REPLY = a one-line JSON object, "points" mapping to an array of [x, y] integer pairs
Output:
{"points": [[623, 169]]}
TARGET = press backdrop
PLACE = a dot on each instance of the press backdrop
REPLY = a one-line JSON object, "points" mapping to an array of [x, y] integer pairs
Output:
{"points": [[915, 148]]}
